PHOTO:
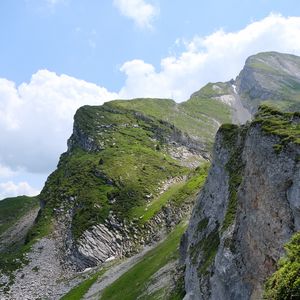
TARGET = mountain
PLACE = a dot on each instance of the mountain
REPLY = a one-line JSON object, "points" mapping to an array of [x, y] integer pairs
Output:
{"points": [[248, 209], [125, 182], [270, 78], [113, 212]]}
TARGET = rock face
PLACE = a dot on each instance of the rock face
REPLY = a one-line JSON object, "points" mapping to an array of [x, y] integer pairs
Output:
{"points": [[247, 211], [270, 76]]}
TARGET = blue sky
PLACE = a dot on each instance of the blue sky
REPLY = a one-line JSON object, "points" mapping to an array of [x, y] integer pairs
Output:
{"points": [[91, 39], [57, 55]]}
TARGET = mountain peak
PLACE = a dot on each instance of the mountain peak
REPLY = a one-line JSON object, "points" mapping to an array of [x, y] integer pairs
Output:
{"points": [[275, 62]]}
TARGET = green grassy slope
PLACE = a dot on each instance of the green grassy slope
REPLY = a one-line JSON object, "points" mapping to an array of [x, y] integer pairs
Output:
{"points": [[285, 282], [198, 116], [134, 282], [284, 125], [117, 157], [78, 292], [12, 209], [118, 178]]}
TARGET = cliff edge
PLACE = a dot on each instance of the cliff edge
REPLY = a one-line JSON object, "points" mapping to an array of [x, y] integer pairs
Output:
{"points": [[248, 209]]}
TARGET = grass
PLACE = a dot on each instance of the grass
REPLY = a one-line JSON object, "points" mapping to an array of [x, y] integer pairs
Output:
{"points": [[147, 211], [284, 125], [116, 178], [193, 116], [117, 157], [133, 283], [79, 291], [177, 194], [233, 138], [284, 284], [208, 247], [12, 209]]}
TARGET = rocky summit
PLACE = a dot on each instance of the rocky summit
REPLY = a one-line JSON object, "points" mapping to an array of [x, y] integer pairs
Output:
{"points": [[162, 200]]}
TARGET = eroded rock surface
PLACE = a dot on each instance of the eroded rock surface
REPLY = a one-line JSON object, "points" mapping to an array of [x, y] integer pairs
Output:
{"points": [[230, 248]]}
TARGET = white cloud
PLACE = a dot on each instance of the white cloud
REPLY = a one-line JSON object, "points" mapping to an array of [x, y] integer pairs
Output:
{"points": [[216, 57], [141, 12], [10, 189], [36, 118], [6, 172]]}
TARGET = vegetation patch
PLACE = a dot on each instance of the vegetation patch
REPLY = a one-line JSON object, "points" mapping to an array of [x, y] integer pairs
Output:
{"points": [[12, 209], [202, 224], [284, 125], [209, 248], [80, 290], [233, 138], [127, 167], [177, 194], [284, 284], [195, 116], [13, 257], [134, 282]]}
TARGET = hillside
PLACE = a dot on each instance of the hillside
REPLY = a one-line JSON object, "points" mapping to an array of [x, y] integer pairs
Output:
{"points": [[248, 210], [12, 209], [125, 182], [114, 209]]}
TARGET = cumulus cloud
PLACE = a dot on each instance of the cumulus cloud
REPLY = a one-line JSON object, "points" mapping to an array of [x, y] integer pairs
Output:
{"points": [[216, 57], [36, 118], [141, 12], [10, 189]]}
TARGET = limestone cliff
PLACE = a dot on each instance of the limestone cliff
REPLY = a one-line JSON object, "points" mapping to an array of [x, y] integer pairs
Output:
{"points": [[248, 209]]}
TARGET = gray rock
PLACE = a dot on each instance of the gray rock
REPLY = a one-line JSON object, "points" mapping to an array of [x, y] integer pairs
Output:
{"points": [[266, 217]]}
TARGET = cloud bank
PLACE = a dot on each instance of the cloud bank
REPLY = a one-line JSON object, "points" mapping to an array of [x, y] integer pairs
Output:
{"points": [[36, 117]]}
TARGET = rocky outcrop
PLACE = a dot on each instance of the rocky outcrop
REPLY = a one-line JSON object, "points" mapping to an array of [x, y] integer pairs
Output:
{"points": [[116, 238], [247, 211]]}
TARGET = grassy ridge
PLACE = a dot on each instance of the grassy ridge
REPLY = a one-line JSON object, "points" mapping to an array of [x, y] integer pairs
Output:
{"points": [[11, 210], [117, 157], [194, 116]]}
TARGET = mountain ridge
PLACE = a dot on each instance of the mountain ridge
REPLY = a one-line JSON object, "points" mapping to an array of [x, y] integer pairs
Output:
{"points": [[131, 175]]}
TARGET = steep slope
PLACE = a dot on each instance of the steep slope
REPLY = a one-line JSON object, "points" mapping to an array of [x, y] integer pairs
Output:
{"points": [[17, 216], [12, 209], [215, 97], [270, 77], [248, 209]]}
